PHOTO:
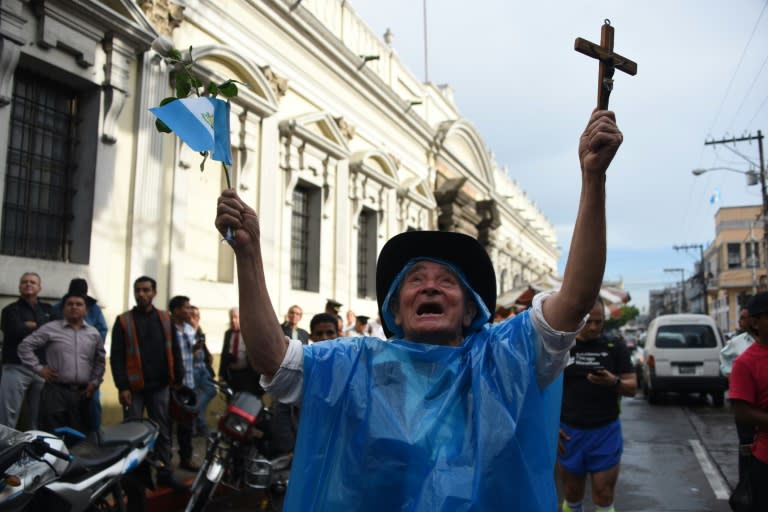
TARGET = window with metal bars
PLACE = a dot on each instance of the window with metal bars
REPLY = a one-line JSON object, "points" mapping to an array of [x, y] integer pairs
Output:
{"points": [[734, 255], [37, 204], [366, 253], [300, 239]]}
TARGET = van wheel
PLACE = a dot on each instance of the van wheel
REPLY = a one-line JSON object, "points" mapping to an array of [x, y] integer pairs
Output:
{"points": [[718, 398]]}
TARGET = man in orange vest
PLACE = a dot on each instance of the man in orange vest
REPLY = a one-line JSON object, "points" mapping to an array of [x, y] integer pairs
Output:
{"points": [[145, 361]]}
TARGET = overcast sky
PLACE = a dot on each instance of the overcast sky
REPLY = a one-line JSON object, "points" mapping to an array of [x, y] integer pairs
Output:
{"points": [[701, 75]]}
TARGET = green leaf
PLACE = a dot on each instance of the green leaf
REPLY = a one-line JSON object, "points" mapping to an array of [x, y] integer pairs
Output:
{"points": [[213, 89], [228, 89], [162, 127], [168, 100], [183, 86], [174, 54], [196, 82]]}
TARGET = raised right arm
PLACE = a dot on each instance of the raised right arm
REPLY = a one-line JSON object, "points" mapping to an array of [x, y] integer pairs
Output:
{"points": [[259, 326]]}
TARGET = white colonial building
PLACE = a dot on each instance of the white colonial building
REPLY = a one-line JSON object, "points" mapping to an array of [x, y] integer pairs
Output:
{"points": [[336, 144]]}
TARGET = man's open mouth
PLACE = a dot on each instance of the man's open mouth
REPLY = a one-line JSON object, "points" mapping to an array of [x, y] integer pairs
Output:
{"points": [[429, 309]]}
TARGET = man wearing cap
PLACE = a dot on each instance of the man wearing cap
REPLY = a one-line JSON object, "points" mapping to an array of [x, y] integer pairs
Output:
{"points": [[332, 307], [452, 413], [748, 392]]}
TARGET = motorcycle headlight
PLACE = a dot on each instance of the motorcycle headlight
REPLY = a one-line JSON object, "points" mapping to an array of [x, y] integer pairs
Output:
{"points": [[236, 426]]}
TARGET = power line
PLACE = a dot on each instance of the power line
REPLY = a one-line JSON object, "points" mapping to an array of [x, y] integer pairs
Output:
{"points": [[765, 100], [746, 94], [735, 72]]}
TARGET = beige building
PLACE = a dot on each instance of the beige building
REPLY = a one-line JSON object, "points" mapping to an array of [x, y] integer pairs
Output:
{"points": [[735, 262], [337, 145]]}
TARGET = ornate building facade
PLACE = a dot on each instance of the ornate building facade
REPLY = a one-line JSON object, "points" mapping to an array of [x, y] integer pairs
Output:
{"points": [[336, 144]]}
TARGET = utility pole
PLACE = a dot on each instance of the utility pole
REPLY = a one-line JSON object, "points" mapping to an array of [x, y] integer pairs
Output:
{"points": [[763, 193], [702, 270], [682, 286]]}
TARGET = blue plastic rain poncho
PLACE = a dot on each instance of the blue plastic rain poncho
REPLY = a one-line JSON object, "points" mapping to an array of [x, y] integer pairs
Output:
{"points": [[401, 426]]}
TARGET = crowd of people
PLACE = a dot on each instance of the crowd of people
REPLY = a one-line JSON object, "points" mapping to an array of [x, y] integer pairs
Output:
{"points": [[54, 360]]}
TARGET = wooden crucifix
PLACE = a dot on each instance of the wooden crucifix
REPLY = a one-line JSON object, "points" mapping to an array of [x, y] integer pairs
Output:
{"points": [[609, 61]]}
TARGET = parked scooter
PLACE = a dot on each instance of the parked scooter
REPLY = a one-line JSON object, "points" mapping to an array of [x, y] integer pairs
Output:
{"points": [[42, 471], [237, 451]]}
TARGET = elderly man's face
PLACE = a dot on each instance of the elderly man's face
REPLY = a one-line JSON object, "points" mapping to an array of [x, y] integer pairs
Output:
{"points": [[294, 316], [432, 306], [29, 286]]}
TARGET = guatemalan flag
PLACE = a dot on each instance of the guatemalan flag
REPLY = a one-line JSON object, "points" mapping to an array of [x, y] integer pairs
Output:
{"points": [[202, 123]]}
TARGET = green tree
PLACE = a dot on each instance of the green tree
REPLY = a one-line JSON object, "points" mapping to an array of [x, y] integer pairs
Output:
{"points": [[626, 313]]}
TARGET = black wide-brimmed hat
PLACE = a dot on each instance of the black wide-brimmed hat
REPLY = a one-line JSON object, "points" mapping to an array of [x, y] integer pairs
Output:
{"points": [[460, 250]]}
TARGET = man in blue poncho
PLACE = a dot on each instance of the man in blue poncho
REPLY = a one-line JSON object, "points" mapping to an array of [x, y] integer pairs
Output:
{"points": [[452, 413]]}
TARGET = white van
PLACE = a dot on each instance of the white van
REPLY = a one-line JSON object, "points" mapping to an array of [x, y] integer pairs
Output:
{"points": [[682, 354]]}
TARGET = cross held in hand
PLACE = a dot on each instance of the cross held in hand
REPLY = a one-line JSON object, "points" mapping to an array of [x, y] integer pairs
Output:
{"points": [[609, 61]]}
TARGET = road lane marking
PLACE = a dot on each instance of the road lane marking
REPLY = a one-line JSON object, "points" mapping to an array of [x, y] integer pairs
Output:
{"points": [[715, 479]]}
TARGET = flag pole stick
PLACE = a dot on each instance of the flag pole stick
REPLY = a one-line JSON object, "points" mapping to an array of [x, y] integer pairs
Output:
{"points": [[229, 236], [226, 174]]}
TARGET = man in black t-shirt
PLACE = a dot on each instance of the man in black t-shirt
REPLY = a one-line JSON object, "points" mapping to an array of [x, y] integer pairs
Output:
{"points": [[598, 373]]}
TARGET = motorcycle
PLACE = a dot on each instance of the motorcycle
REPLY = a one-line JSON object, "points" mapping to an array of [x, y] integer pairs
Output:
{"points": [[42, 471], [236, 454]]}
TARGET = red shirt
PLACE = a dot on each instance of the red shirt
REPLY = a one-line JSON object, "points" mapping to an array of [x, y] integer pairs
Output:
{"points": [[749, 382]]}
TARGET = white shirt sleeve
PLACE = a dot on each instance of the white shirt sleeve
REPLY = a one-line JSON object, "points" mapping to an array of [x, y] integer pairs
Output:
{"points": [[553, 346], [287, 385]]}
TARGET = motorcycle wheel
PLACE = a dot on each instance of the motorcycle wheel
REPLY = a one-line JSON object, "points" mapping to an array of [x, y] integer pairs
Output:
{"points": [[201, 494], [203, 487]]}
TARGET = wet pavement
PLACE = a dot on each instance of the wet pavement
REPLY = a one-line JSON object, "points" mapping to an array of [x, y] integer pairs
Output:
{"points": [[679, 456]]}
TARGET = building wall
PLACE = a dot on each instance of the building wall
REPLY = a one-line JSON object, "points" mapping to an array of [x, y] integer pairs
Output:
{"points": [[361, 135], [736, 277]]}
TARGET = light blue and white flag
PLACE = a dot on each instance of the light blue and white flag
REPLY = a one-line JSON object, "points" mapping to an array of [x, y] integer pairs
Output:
{"points": [[715, 197], [201, 123]]}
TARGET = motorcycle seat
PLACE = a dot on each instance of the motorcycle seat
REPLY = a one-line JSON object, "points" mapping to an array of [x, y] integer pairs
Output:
{"points": [[133, 432], [91, 458]]}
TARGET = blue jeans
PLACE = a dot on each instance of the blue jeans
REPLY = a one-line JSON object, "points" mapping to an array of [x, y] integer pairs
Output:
{"points": [[205, 393]]}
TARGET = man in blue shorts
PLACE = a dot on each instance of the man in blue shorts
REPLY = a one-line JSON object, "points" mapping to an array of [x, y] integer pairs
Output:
{"points": [[452, 413], [599, 371]]}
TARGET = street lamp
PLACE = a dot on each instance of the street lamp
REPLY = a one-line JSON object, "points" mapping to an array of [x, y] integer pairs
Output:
{"points": [[753, 178], [682, 286]]}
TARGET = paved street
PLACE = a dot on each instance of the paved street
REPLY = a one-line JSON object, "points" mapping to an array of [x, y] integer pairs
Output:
{"points": [[679, 456]]}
